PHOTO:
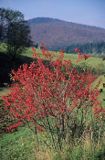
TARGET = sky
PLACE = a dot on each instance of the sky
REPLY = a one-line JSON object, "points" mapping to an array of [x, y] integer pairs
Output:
{"points": [[90, 12]]}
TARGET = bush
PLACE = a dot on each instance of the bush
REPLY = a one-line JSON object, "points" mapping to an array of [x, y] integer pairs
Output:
{"points": [[57, 99]]}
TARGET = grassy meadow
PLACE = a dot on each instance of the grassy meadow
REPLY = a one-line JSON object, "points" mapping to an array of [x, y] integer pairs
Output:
{"points": [[22, 144]]}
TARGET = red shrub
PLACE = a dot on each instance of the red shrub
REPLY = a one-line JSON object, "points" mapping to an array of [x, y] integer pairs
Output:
{"points": [[41, 91]]}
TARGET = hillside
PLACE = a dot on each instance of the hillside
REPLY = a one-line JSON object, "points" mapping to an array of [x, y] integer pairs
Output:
{"points": [[57, 34]]}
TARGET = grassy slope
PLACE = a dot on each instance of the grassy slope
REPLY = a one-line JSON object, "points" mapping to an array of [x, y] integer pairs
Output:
{"points": [[94, 62]]}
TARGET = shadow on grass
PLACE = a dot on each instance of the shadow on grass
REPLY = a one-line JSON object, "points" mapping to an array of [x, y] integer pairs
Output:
{"points": [[6, 66]]}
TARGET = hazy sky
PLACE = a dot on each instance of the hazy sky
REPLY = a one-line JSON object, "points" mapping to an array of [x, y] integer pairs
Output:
{"points": [[91, 12]]}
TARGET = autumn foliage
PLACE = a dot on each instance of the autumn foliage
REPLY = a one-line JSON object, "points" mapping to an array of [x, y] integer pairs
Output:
{"points": [[81, 56], [53, 97]]}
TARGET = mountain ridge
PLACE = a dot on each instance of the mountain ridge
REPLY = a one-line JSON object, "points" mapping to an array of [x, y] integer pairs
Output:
{"points": [[60, 20], [59, 34]]}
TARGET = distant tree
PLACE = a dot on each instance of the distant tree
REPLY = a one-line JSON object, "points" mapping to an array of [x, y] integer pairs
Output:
{"points": [[14, 31], [36, 45]]}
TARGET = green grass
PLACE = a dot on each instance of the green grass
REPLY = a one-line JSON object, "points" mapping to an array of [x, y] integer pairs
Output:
{"points": [[21, 145], [17, 146], [3, 47], [102, 94], [4, 91]]}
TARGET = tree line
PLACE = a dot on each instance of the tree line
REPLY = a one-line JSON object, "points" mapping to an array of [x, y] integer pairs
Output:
{"points": [[93, 47]]}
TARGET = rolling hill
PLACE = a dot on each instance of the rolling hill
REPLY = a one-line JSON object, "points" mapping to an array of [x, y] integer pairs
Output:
{"points": [[59, 34]]}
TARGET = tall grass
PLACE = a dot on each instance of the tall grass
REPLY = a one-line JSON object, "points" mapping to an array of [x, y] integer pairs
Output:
{"points": [[21, 145]]}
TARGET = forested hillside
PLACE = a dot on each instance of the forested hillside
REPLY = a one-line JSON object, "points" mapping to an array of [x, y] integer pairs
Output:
{"points": [[57, 34]]}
